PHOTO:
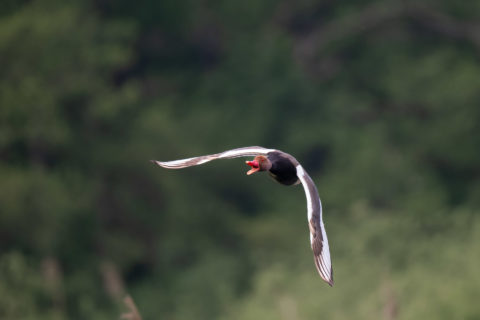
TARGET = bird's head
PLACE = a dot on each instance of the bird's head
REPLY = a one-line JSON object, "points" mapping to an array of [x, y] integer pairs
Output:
{"points": [[259, 163]]}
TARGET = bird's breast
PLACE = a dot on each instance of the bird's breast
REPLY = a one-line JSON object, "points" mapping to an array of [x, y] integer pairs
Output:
{"points": [[283, 169]]}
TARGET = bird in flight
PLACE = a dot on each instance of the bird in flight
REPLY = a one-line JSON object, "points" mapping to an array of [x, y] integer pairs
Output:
{"points": [[286, 170]]}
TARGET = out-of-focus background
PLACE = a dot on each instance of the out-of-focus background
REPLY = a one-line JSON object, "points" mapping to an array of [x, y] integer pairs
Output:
{"points": [[379, 100]]}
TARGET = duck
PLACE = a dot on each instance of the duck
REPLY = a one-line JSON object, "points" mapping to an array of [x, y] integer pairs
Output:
{"points": [[286, 170]]}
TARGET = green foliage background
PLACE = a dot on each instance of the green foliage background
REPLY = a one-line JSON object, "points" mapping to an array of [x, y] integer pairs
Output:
{"points": [[378, 100]]}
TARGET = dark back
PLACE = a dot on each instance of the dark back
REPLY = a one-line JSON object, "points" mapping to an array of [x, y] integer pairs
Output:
{"points": [[283, 168]]}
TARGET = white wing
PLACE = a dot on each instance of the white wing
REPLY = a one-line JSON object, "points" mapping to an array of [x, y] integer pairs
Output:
{"points": [[234, 153], [318, 236]]}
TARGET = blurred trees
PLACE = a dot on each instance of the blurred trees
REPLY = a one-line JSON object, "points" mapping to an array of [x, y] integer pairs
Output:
{"points": [[378, 100]]}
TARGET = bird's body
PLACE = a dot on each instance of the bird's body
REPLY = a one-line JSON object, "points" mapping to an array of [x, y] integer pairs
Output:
{"points": [[286, 170], [283, 168]]}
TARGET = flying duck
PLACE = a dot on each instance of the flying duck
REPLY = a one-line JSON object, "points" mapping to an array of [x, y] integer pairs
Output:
{"points": [[286, 170]]}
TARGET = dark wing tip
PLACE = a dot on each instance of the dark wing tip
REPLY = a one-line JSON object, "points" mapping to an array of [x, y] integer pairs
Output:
{"points": [[330, 282], [329, 279], [325, 274]]}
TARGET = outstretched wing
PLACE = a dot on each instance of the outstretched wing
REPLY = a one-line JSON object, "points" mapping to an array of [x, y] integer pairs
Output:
{"points": [[234, 153], [318, 236]]}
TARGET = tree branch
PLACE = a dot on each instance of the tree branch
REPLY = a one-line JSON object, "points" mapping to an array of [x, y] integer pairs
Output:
{"points": [[132, 313], [375, 16]]}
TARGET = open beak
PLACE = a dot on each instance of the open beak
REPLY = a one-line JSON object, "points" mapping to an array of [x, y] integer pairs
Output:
{"points": [[255, 166]]}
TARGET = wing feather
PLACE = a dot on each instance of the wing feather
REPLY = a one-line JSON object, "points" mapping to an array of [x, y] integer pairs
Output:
{"points": [[318, 236], [234, 153]]}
